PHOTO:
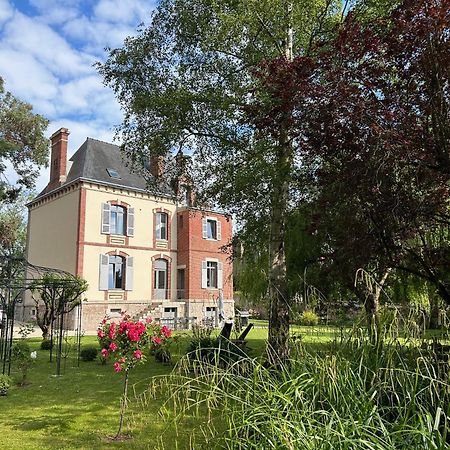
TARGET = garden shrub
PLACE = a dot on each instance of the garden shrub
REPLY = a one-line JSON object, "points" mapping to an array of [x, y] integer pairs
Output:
{"points": [[21, 357], [46, 344], [89, 353], [308, 318], [203, 347], [5, 383]]}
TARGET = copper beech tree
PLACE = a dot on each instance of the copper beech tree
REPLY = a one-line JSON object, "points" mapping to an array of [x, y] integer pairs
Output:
{"points": [[370, 123]]}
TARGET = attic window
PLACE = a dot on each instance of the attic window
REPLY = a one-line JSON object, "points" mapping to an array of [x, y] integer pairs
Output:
{"points": [[113, 173]]}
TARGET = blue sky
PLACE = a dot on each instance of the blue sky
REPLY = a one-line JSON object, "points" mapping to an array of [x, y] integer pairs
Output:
{"points": [[47, 49]]}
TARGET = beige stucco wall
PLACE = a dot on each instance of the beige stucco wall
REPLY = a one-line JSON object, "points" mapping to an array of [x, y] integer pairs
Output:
{"points": [[140, 246], [143, 206], [53, 231]]}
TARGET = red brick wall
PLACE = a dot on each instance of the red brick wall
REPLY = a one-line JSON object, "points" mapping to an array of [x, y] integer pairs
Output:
{"points": [[193, 249]]}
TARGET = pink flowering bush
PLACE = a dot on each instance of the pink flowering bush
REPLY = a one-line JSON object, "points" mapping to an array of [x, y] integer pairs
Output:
{"points": [[125, 343]]}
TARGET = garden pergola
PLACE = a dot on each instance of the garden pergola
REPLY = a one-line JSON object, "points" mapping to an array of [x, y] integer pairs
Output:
{"points": [[17, 276]]}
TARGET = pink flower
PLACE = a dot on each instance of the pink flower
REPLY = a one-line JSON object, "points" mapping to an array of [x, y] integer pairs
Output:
{"points": [[138, 354], [156, 340], [112, 331], [100, 333], [113, 347], [104, 321], [148, 320], [104, 352], [167, 332], [117, 367]]}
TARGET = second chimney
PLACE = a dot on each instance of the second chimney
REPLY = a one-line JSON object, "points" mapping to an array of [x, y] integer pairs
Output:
{"points": [[58, 158]]}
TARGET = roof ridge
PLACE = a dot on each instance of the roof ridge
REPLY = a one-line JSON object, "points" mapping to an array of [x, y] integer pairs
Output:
{"points": [[103, 142]]}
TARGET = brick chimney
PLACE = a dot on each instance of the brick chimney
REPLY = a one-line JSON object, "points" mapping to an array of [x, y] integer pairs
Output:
{"points": [[157, 166], [58, 159]]}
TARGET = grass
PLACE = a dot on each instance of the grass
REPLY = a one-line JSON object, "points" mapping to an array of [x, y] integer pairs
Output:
{"points": [[325, 390], [77, 410]]}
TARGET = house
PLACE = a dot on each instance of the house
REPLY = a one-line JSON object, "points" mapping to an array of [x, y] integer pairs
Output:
{"points": [[148, 253]]}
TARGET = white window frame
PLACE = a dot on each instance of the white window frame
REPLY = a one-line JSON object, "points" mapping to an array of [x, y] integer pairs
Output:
{"points": [[159, 226], [106, 219], [204, 274], [205, 228]]}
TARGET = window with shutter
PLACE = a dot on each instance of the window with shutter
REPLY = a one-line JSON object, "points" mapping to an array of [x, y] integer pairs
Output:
{"points": [[130, 222], [219, 231], [204, 228], [220, 275], [204, 285], [106, 218], [103, 278], [129, 274]]}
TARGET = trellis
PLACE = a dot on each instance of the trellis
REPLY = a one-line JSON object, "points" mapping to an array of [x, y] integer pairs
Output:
{"points": [[17, 276]]}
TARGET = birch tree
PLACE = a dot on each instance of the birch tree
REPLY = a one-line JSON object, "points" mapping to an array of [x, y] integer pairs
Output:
{"points": [[184, 84]]}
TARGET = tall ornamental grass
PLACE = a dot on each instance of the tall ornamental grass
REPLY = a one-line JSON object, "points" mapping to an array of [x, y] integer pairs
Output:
{"points": [[353, 397]]}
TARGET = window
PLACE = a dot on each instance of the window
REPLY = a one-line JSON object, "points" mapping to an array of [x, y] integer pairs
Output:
{"points": [[170, 313], [160, 279], [115, 312], [211, 229], [212, 274], [180, 283], [113, 173], [116, 272], [161, 226], [118, 215], [117, 220]]}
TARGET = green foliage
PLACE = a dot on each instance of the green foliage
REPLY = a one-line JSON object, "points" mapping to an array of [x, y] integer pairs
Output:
{"points": [[53, 294], [21, 358], [5, 383], [46, 344], [204, 347], [89, 353], [308, 318], [350, 398], [22, 143]]}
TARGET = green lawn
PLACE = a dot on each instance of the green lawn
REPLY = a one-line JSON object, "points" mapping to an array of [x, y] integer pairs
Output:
{"points": [[79, 410]]}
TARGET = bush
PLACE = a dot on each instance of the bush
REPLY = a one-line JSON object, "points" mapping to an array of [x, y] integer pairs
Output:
{"points": [[5, 383], [203, 347], [21, 357], [308, 318], [89, 353], [46, 344]]}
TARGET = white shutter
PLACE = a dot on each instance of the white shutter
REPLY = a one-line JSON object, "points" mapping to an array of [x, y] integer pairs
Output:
{"points": [[204, 228], [219, 230], [220, 275], [130, 222], [129, 274], [204, 275], [104, 268], [106, 218]]}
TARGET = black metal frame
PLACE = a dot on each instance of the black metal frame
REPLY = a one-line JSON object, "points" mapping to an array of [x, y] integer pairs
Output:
{"points": [[17, 275]]}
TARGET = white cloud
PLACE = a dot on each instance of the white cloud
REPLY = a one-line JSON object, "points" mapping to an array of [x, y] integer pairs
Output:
{"points": [[118, 11], [46, 57], [6, 11]]}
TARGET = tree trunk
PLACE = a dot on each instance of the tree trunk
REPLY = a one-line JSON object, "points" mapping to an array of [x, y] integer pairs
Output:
{"points": [[278, 348]]}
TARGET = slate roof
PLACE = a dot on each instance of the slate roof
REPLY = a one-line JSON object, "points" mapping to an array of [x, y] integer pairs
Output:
{"points": [[93, 158]]}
